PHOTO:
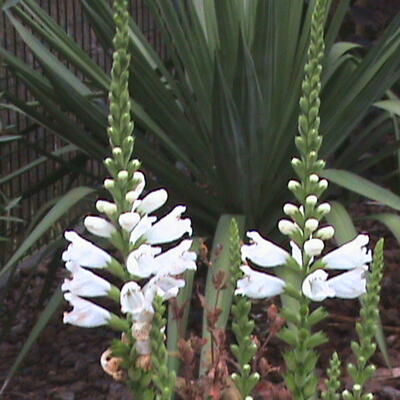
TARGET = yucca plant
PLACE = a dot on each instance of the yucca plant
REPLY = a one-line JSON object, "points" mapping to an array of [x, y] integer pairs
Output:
{"points": [[217, 116]]}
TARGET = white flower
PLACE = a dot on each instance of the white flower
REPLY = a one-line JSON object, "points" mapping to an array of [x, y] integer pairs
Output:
{"points": [[351, 284], [169, 228], [258, 285], [85, 314], [84, 253], [141, 228], [99, 226], [128, 220], [351, 255], [135, 302], [164, 286], [347, 285], [140, 181], [141, 262], [316, 287], [84, 283], [262, 252], [313, 247], [176, 260], [151, 202]]}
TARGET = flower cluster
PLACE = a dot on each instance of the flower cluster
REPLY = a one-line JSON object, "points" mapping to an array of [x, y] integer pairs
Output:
{"points": [[352, 256], [143, 231]]}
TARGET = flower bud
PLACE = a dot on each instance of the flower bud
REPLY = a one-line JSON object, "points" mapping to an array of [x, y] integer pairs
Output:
{"points": [[123, 175], [286, 227], [135, 164], [311, 200], [109, 183], [323, 184], [131, 196], [325, 233], [108, 162], [311, 224], [313, 247], [293, 185], [103, 205], [324, 208], [290, 209], [295, 162], [117, 151], [314, 178], [128, 220]]}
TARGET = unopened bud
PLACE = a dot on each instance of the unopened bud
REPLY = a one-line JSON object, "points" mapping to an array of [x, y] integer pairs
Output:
{"points": [[293, 185], [123, 175], [313, 247], [323, 184], [106, 207], [108, 161], [290, 209], [311, 224], [131, 196], [311, 200], [287, 227], [325, 233], [324, 208], [314, 178], [295, 162], [109, 183], [117, 151]]}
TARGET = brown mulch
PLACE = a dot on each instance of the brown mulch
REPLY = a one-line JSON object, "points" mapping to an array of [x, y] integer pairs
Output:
{"points": [[64, 364]]}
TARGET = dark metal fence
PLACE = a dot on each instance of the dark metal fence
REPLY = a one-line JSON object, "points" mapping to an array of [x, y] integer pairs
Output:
{"points": [[17, 155]]}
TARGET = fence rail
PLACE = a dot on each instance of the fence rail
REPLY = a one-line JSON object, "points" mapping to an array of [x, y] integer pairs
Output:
{"points": [[19, 154]]}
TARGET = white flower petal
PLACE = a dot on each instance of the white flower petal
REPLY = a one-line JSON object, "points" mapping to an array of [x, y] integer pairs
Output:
{"points": [[84, 283], [177, 260], [84, 253], [128, 220], [133, 195], [169, 228], [141, 228], [351, 284], [141, 261], [143, 347], [99, 226], [296, 253], [258, 285], [262, 252], [153, 201], [165, 287], [315, 286], [85, 314], [351, 255], [134, 302]]}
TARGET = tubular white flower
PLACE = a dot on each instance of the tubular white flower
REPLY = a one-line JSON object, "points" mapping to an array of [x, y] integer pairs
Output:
{"points": [[164, 286], [313, 247], [140, 181], [169, 228], [152, 201], [177, 260], [351, 255], [84, 283], [316, 287], [99, 226], [287, 227], [258, 285], [141, 228], [351, 284], [128, 220], [134, 302], [141, 262], [85, 314], [262, 252], [84, 253]]}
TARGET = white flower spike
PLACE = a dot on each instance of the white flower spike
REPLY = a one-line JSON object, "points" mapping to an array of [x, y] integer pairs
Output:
{"points": [[85, 314], [351, 255], [84, 253], [84, 283], [258, 285], [262, 252]]}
